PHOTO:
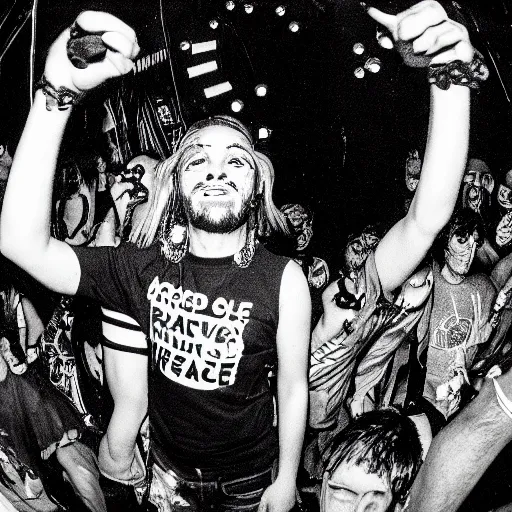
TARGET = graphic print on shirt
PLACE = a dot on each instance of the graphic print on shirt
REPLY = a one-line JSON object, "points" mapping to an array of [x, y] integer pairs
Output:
{"points": [[453, 332], [192, 348]]}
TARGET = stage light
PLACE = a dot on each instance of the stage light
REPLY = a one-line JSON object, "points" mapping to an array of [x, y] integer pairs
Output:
{"points": [[384, 40], [358, 48], [373, 65], [237, 105], [248, 8], [294, 26], [359, 72], [280, 10], [264, 133], [214, 24], [261, 90], [185, 45], [230, 5]]}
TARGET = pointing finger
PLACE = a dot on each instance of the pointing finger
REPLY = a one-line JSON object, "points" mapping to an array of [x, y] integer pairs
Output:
{"points": [[387, 20]]}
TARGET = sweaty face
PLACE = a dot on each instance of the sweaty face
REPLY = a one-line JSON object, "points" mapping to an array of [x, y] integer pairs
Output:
{"points": [[351, 489], [217, 180], [477, 189], [461, 251]]}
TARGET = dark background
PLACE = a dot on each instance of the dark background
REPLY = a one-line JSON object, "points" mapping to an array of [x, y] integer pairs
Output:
{"points": [[338, 143]]}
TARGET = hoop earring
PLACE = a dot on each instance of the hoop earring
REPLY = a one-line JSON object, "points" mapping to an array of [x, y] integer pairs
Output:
{"points": [[175, 242]]}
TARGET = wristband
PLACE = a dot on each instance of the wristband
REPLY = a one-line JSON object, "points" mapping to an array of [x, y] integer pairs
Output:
{"points": [[62, 97], [470, 74]]}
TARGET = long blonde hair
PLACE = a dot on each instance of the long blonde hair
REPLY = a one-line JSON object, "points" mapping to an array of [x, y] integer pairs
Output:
{"points": [[166, 199]]}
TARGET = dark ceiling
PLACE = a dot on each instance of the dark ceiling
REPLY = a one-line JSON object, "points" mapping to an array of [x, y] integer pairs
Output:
{"points": [[338, 142]]}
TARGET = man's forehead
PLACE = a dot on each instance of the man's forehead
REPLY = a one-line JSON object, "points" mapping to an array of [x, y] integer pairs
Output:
{"points": [[222, 137]]}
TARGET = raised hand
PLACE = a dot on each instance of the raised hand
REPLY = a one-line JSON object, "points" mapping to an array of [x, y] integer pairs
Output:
{"points": [[424, 35], [122, 48]]}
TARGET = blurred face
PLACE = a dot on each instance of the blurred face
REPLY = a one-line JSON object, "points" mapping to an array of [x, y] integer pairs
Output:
{"points": [[358, 249], [218, 180], [351, 489], [5, 162], [412, 171], [505, 195], [477, 188], [461, 251], [301, 223]]}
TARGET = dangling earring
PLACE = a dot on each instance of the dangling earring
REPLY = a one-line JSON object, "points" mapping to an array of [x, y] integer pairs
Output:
{"points": [[175, 242], [245, 255]]}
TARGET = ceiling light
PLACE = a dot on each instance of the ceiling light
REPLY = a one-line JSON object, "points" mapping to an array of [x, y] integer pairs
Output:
{"points": [[237, 105], [261, 90], [373, 65], [358, 48], [214, 24], [294, 26]]}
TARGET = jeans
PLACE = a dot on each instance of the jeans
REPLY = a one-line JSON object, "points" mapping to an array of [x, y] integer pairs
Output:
{"points": [[172, 493]]}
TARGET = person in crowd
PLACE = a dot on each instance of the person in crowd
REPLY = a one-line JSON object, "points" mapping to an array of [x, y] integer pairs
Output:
{"points": [[477, 195], [504, 199], [458, 324], [342, 334], [464, 449], [300, 219], [38, 423], [371, 464], [218, 308]]}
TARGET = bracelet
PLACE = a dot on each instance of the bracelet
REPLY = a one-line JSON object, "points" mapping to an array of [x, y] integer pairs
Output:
{"points": [[469, 74], [62, 97], [503, 401]]}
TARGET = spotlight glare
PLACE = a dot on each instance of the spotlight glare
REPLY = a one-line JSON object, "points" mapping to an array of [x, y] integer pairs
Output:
{"points": [[264, 133], [237, 105], [261, 90], [248, 8], [280, 10], [294, 26], [185, 45], [358, 48], [384, 40], [359, 72], [373, 64], [230, 5], [214, 24]]}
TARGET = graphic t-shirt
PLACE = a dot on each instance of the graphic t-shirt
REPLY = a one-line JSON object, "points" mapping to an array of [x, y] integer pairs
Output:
{"points": [[459, 311], [212, 329]]}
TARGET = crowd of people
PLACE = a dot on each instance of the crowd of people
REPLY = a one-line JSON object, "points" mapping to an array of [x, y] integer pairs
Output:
{"points": [[191, 352]]}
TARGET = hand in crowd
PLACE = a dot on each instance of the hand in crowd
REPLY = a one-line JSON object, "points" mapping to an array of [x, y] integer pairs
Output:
{"points": [[122, 47], [278, 497], [424, 35]]}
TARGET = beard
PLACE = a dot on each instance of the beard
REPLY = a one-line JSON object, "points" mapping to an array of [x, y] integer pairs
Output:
{"points": [[217, 217]]}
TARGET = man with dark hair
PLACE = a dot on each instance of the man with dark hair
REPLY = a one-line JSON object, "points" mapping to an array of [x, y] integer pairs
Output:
{"points": [[457, 324], [371, 464]]}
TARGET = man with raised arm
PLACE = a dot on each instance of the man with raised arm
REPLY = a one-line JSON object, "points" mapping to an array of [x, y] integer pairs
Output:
{"points": [[220, 311], [425, 37]]}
